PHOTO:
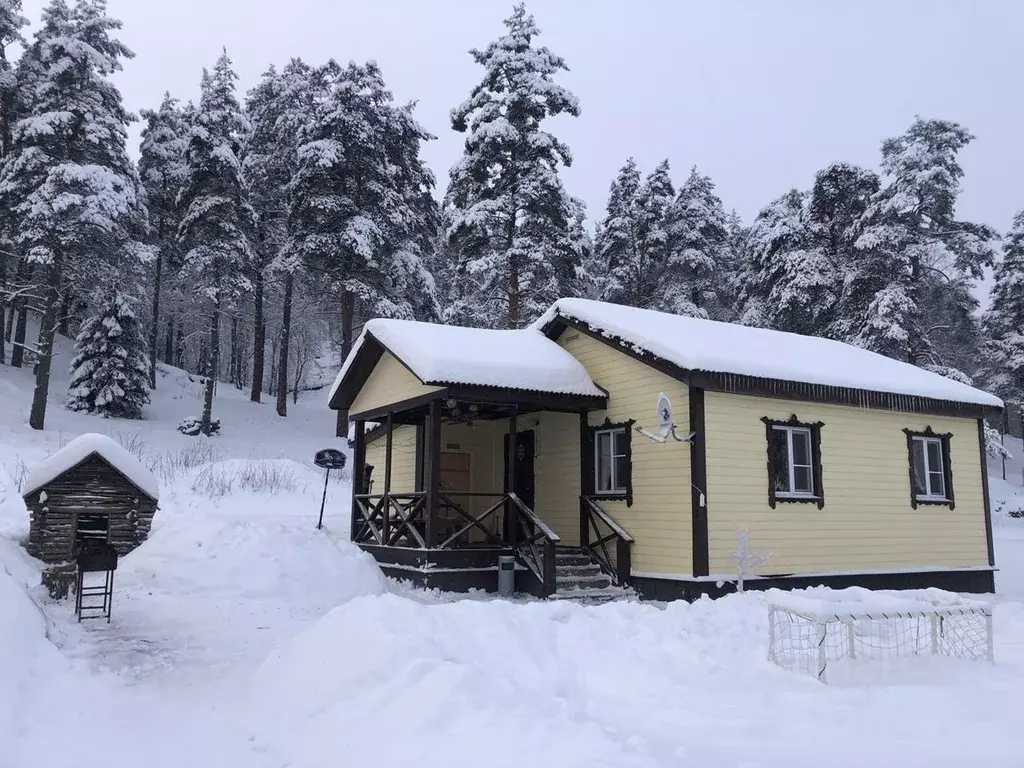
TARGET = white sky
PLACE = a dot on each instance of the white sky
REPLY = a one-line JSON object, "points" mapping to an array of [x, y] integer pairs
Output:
{"points": [[759, 95]]}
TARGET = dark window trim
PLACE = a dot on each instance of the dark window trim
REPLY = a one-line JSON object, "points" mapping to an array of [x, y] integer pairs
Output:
{"points": [[591, 486], [819, 487], [947, 468]]}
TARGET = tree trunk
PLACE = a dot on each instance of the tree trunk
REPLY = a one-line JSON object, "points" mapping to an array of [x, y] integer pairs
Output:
{"points": [[286, 330], [233, 353], [348, 305], [18, 346], [179, 344], [916, 344], [65, 314], [47, 330], [259, 333], [154, 330], [211, 374], [169, 341], [3, 309]]}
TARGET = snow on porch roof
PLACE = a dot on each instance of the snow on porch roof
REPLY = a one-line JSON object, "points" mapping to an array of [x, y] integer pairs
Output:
{"points": [[81, 448], [706, 345], [449, 354]]}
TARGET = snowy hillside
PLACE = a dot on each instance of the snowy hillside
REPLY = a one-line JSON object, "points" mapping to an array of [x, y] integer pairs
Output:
{"points": [[242, 636]]}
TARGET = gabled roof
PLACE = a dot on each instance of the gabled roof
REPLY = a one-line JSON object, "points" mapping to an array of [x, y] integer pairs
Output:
{"points": [[80, 449], [444, 355], [695, 345]]}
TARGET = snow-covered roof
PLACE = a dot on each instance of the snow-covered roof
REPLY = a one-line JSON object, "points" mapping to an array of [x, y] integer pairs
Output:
{"points": [[448, 354], [706, 345], [81, 448]]}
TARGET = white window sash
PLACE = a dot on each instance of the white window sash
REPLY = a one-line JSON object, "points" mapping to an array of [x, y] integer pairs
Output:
{"points": [[791, 464], [613, 477], [930, 494]]}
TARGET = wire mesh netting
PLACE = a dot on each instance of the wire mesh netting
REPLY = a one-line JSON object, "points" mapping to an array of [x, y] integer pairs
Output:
{"points": [[813, 644]]}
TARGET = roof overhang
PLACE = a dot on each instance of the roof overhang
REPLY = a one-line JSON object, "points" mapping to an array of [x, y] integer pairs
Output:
{"points": [[774, 388]]}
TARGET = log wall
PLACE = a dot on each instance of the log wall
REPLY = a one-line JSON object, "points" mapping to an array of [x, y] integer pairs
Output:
{"points": [[92, 486]]}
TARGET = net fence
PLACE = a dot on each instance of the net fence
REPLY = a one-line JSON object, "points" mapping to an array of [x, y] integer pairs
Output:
{"points": [[812, 644]]}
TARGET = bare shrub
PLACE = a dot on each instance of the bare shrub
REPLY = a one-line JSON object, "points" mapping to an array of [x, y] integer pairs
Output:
{"points": [[214, 481], [18, 471], [173, 463], [267, 476]]}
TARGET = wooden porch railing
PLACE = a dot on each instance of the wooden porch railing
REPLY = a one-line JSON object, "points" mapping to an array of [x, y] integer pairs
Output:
{"points": [[399, 520], [595, 520]]}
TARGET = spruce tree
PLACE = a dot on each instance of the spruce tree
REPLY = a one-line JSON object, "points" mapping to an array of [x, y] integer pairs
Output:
{"points": [[790, 283], [911, 242], [620, 271], [645, 274], [68, 180], [162, 171], [509, 212], [218, 222], [1004, 321], [110, 370], [11, 22], [696, 274]]}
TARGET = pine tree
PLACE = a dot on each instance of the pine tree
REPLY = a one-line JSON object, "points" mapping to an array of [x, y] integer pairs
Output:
{"points": [[110, 370], [648, 286], [162, 171], [218, 222], [790, 283], [1004, 321], [696, 274], [911, 242], [68, 180], [278, 109], [509, 212], [620, 271], [11, 22]]}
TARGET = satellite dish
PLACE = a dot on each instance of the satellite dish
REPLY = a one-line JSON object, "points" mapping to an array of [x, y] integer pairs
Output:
{"points": [[665, 417]]}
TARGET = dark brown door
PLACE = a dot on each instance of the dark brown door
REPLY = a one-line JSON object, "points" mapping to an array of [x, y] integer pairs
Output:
{"points": [[524, 480]]}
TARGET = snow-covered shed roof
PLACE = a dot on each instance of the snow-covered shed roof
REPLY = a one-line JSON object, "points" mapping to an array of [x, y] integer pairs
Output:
{"points": [[705, 345], [442, 355], [81, 448]]}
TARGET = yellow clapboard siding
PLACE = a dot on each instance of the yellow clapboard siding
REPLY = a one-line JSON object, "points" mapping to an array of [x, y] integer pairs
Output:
{"points": [[867, 521], [659, 518], [388, 382], [403, 460]]}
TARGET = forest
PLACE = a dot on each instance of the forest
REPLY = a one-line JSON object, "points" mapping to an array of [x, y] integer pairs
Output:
{"points": [[250, 235]]}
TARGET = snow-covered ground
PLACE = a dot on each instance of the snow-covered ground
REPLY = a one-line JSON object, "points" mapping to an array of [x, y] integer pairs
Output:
{"points": [[242, 636]]}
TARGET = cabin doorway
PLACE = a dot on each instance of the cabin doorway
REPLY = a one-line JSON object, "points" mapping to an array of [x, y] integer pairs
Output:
{"points": [[455, 480], [524, 479], [90, 527]]}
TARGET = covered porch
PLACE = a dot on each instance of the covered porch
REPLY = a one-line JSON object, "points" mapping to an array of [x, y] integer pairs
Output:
{"points": [[442, 497]]}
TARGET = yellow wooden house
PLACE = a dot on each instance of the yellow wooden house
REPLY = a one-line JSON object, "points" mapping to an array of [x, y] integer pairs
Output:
{"points": [[663, 453]]}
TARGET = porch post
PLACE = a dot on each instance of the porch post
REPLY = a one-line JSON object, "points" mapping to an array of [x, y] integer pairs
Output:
{"points": [[432, 473], [585, 475], [358, 472], [513, 510], [386, 522]]}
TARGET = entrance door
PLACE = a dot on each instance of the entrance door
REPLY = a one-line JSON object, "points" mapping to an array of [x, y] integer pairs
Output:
{"points": [[455, 474], [525, 447]]}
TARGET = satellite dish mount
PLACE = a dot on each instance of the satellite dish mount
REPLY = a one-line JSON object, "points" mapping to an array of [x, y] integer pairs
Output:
{"points": [[666, 424]]}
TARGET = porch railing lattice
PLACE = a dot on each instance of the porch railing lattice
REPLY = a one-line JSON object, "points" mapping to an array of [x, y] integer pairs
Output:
{"points": [[598, 529]]}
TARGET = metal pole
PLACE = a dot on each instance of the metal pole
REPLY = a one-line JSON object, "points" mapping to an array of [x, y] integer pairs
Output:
{"points": [[323, 501]]}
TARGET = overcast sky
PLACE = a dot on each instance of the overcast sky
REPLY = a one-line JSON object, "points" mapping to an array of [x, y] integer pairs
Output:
{"points": [[757, 94]]}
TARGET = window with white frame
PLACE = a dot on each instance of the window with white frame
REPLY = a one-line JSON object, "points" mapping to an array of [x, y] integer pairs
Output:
{"points": [[793, 464], [611, 461], [929, 468]]}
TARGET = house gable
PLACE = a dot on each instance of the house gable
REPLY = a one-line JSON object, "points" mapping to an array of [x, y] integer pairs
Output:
{"points": [[388, 382]]}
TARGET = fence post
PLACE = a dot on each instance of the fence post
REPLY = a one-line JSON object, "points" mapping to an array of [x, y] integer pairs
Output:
{"points": [[623, 565], [550, 574], [850, 638], [771, 635], [934, 621], [822, 651], [990, 650]]}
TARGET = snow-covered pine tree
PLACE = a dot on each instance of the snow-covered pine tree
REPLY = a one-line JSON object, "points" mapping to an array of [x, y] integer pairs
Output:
{"points": [[1004, 320], [278, 109], [68, 179], [620, 272], [911, 242], [11, 22], [575, 258], [696, 273], [789, 282], [649, 286], [110, 370], [509, 212], [218, 222], [162, 171]]}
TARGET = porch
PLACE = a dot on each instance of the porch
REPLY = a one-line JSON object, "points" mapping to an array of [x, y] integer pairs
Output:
{"points": [[441, 497]]}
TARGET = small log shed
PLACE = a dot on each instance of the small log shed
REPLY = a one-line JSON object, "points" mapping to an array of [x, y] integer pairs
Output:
{"points": [[92, 489]]}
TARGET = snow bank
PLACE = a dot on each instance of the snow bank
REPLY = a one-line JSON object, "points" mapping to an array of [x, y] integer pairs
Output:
{"points": [[822, 602], [82, 447], [706, 345], [448, 354]]}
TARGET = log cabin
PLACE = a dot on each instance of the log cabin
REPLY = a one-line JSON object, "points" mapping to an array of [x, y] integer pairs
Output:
{"points": [[670, 454]]}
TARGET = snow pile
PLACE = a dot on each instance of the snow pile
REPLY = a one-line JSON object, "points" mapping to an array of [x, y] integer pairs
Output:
{"points": [[448, 354], [80, 449], [391, 682], [822, 602], [707, 345]]}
